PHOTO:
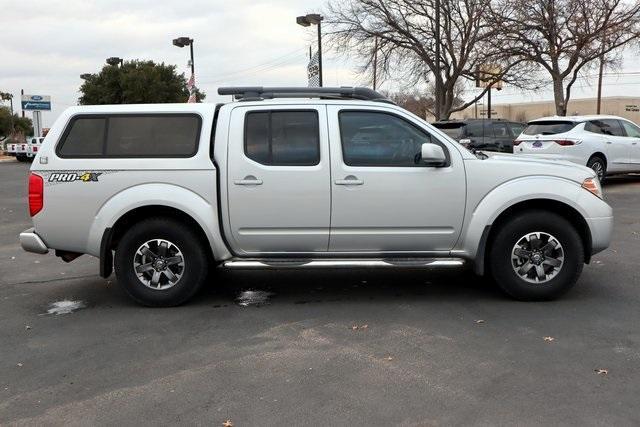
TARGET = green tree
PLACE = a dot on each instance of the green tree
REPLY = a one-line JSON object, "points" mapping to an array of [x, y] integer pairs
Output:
{"points": [[21, 124], [135, 82]]}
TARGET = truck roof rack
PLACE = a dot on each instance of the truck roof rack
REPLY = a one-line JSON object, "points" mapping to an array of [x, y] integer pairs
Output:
{"points": [[258, 93]]}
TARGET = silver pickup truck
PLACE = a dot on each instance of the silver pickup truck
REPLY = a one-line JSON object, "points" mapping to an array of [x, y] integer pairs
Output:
{"points": [[301, 178]]}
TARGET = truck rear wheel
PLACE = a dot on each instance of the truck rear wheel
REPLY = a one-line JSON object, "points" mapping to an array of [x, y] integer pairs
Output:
{"points": [[160, 262], [537, 255]]}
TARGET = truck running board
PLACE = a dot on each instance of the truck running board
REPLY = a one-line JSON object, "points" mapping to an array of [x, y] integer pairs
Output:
{"points": [[245, 263]]}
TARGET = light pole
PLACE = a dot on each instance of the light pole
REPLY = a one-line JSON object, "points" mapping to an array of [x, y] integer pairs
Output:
{"points": [[114, 61], [307, 20], [182, 42]]}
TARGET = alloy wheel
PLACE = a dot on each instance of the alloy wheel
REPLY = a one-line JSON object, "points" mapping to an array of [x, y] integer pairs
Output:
{"points": [[159, 264], [598, 168], [537, 257]]}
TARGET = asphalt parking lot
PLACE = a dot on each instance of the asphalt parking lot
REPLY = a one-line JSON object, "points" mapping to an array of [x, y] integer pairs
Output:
{"points": [[322, 348]]}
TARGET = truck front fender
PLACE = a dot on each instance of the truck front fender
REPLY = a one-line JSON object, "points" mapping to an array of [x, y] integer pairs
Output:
{"points": [[483, 214]]}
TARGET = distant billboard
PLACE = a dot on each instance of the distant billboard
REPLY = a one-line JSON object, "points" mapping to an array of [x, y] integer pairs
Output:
{"points": [[36, 102]]}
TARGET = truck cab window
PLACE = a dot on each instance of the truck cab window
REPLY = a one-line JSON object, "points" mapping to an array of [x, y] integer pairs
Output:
{"points": [[380, 139], [282, 138]]}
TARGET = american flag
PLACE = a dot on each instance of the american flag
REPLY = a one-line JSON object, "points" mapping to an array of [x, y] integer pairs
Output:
{"points": [[191, 86], [313, 71]]}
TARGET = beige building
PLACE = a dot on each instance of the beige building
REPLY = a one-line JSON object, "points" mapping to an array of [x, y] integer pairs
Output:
{"points": [[623, 106]]}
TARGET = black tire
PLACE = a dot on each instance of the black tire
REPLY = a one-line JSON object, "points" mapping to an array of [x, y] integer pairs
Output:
{"points": [[599, 166], [21, 158], [184, 239], [526, 223]]}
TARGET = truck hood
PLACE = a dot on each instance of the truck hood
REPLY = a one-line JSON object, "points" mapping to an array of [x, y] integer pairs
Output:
{"points": [[523, 165]]}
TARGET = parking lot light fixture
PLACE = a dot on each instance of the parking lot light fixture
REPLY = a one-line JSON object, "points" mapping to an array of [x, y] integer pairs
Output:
{"points": [[114, 61], [85, 76]]}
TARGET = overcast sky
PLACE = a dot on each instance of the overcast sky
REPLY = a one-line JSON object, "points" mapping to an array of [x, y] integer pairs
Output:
{"points": [[49, 43]]}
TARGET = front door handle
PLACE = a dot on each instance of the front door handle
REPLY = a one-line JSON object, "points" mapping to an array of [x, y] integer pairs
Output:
{"points": [[349, 180], [248, 180]]}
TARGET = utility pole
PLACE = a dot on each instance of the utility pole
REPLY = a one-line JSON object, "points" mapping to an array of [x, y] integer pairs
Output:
{"points": [[437, 82], [319, 52], [489, 103], [375, 63], [600, 80]]}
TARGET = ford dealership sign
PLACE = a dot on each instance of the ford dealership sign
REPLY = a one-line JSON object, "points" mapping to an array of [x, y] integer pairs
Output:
{"points": [[36, 102]]}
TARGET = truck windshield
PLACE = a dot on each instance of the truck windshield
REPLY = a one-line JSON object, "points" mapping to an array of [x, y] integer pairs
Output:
{"points": [[550, 127]]}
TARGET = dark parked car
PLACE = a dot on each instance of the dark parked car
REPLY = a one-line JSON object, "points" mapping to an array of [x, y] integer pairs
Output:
{"points": [[483, 134]]}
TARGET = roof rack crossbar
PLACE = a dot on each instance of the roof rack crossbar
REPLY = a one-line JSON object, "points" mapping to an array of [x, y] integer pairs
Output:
{"points": [[254, 93]]}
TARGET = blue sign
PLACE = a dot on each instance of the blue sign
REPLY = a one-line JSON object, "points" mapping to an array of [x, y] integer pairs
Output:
{"points": [[36, 102]]}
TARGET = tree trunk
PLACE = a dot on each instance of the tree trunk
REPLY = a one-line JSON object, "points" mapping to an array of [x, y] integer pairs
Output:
{"points": [[558, 96]]}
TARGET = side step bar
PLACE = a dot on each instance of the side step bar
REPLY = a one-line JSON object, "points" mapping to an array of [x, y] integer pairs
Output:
{"points": [[242, 263]]}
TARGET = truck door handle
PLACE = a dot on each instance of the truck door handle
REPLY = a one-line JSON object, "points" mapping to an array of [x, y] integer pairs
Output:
{"points": [[248, 180], [349, 180], [608, 142]]}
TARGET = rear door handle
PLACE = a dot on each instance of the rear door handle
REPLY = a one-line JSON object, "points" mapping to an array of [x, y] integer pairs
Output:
{"points": [[349, 180], [248, 180]]}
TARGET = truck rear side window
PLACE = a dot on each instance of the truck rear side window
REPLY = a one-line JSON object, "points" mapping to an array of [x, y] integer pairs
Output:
{"points": [[282, 138], [131, 135], [85, 138]]}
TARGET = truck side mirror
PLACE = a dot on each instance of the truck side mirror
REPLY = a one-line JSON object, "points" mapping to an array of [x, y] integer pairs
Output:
{"points": [[433, 155]]}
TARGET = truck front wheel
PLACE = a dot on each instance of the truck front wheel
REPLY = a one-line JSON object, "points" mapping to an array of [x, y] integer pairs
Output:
{"points": [[160, 262], [536, 255]]}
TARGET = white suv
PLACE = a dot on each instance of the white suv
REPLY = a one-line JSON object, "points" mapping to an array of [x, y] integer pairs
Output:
{"points": [[606, 144]]}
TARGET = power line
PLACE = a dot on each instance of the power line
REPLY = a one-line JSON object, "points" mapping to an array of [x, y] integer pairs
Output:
{"points": [[258, 67]]}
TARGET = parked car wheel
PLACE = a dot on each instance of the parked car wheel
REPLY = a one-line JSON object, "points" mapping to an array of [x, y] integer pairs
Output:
{"points": [[21, 157], [160, 262], [599, 166], [537, 255]]}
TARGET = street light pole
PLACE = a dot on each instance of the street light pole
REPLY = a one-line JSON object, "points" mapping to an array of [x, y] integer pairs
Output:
{"points": [[182, 42], [307, 20], [193, 72]]}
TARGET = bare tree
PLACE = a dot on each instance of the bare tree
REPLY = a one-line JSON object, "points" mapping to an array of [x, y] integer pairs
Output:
{"points": [[408, 37], [421, 102], [565, 37]]}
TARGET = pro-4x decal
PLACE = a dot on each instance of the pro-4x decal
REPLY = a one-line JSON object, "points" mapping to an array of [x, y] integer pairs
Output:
{"points": [[74, 176], [66, 176]]}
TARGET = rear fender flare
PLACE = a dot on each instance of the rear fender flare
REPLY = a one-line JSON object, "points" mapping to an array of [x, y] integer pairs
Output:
{"points": [[174, 196]]}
